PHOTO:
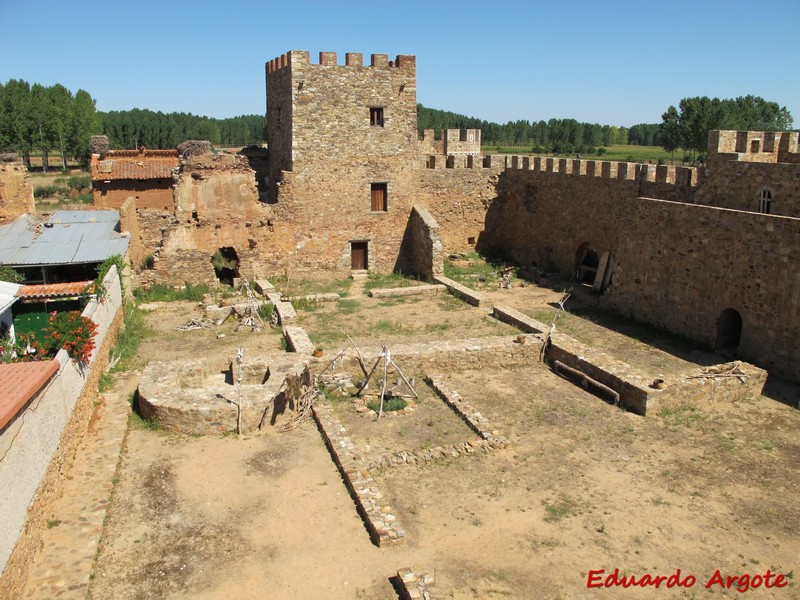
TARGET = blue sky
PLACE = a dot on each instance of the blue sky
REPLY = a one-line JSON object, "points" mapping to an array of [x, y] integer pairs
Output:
{"points": [[600, 61]]}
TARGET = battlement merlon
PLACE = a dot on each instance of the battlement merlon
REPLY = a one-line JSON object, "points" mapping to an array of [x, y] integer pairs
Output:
{"points": [[753, 146], [302, 58]]}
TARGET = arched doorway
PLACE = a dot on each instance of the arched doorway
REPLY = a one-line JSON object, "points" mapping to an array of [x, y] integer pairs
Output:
{"points": [[586, 262], [729, 331], [226, 265]]}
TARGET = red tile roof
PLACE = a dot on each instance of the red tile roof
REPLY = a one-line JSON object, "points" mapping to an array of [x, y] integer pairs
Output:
{"points": [[133, 168], [21, 382], [53, 290]]}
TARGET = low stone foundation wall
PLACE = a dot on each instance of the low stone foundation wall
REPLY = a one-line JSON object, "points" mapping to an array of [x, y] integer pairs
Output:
{"points": [[297, 340], [470, 353], [383, 526], [412, 290], [629, 383], [488, 438], [286, 312], [519, 320], [475, 420], [331, 297], [182, 399], [467, 294], [416, 583]]}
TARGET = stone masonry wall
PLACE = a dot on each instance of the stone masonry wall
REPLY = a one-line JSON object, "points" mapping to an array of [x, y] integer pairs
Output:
{"points": [[39, 443], [677, 277], [16, 193], [422, 252], [738, 185]]}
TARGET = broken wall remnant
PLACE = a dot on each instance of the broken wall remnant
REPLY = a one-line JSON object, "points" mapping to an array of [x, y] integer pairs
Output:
{"points": [[16, 193], [422, 252]]}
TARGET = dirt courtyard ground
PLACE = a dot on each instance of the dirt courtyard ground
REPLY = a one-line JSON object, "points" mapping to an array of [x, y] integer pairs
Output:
{"points": [[583, 485]]}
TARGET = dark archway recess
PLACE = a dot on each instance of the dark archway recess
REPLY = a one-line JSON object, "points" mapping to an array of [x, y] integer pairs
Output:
{"points": [[586, 263], [729, 330], [226, 265]]}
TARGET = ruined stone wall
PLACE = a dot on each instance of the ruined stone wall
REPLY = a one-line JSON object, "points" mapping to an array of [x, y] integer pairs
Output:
{"points": [[428, 144], [422, 251], [682, 280], [216, 186], [16, 193], [665, 272], [458, 199], [129, 223]]}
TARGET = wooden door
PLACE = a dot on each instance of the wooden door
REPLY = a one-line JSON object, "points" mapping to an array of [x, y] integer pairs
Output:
{"points": [[358, 256]]}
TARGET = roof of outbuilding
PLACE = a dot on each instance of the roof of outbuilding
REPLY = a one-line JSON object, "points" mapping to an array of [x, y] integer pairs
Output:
{"points": [[21, 382], [68, 237], [134, 164], [8, 294], [54, 290]]}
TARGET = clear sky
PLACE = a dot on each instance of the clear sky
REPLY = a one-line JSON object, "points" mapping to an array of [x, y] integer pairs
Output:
{"points": [[601, 61]]}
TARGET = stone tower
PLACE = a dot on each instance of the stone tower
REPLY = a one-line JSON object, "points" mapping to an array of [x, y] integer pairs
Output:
{"points": [[342, 150]]}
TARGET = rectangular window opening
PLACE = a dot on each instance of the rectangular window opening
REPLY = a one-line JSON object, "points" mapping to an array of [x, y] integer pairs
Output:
{"points": [[378, 197], [376, 117]]}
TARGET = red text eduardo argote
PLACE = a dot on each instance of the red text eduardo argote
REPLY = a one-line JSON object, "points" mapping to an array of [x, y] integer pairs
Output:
{"points": [[742, 582]]}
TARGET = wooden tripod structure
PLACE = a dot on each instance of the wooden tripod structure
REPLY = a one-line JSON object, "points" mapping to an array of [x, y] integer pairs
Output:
{"points": [[386, 357]]}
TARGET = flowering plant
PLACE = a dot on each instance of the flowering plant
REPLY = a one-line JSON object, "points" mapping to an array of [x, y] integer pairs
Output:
{"points": [[73, 332]]}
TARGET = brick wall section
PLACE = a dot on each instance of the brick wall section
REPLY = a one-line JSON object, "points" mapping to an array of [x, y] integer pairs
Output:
{"points": [[40, 442], [16, 193], [153, 194]]}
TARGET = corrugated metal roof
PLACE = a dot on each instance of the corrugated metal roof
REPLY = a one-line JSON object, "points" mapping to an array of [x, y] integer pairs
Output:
{"points": [[67, 237], [8, 294]]}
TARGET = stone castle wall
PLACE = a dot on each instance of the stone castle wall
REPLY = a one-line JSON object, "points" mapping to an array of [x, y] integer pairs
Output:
{"points": [[665, 272], [739, 185]]}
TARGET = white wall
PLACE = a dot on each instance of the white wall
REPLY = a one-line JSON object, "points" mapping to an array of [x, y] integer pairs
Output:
{"points": [[30, 442]]}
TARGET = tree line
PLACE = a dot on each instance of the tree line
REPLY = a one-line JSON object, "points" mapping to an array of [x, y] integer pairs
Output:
{"points": [[688, 125], [552, 136], [43, 119], [142, 127]]}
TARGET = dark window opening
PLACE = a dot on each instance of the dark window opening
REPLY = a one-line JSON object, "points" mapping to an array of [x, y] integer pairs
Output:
{"points": [[376, 117], [226, 265], [462, 135], [755, 146], [586, 262], [765, 201], [729, 331], [378, 197]]}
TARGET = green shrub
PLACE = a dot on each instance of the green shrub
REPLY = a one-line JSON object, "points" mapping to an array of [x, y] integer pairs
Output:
{"points": [[389, 405], [48, 191], [10, 275], [79, 182]]}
